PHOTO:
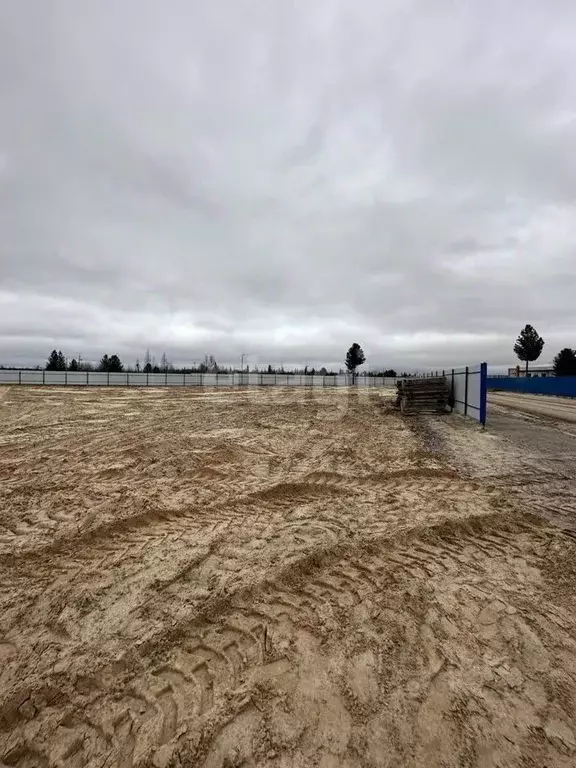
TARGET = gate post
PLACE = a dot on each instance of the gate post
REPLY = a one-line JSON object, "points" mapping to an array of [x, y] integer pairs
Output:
{"points": [[483, 393]]}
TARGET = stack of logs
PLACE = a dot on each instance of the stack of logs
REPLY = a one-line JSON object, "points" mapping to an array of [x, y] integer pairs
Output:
{"points": [[428, 395]]}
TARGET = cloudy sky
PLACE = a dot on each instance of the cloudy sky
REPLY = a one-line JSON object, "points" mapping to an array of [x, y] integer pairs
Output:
{"points": [[284, 178]]}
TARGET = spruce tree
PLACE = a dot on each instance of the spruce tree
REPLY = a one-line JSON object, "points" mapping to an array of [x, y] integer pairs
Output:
{"points": [[529, 345], [354, 357], [565, 362], [52, 364]]}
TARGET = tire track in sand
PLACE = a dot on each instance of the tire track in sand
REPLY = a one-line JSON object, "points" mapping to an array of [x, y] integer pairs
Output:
{"points": [[131, 579], [214, 670]]}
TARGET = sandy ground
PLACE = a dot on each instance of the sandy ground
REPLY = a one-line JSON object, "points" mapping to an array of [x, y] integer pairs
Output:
{"points": [[531, 457], [563, 408], [275, 578]]}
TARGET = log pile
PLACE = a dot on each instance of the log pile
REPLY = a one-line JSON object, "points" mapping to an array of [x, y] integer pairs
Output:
{"points": [[429, 395]]}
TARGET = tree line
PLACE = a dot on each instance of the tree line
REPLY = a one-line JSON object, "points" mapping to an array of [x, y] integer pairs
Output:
{"points": [[113, 364], [57, 362], [529, 346]]}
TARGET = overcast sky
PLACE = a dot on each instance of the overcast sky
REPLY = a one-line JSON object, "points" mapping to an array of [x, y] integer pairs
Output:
{"points": [[285, 177]]}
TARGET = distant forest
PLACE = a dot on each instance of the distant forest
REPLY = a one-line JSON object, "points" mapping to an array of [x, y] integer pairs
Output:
{"points": [[57, 361]]}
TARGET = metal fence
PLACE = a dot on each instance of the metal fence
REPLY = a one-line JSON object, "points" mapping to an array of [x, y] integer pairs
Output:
{"points": [[560, 386], [96, 378], [469, 387]]}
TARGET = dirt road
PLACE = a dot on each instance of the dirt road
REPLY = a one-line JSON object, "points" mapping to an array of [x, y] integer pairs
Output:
{"points": [[270, 578], [563, 408]]}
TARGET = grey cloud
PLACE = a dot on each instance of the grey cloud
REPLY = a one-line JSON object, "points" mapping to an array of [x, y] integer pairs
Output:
{"points": [[286, 178]]}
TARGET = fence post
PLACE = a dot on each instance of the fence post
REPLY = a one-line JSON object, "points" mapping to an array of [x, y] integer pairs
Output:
{"points": [[19, 377], [165, 378], [65, 378], [127, 379], [107, 378], [146, 378], [483, 393], [183, 379], [43, 377], [452, 407], [466, 393], [87, 379]]}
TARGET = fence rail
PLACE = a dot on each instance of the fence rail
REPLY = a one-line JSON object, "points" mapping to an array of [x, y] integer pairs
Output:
{"points": [[96, 378]]}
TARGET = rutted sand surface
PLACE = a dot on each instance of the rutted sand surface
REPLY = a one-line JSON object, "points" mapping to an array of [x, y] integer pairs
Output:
{"points": [[563, 408], [269, 577]]}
